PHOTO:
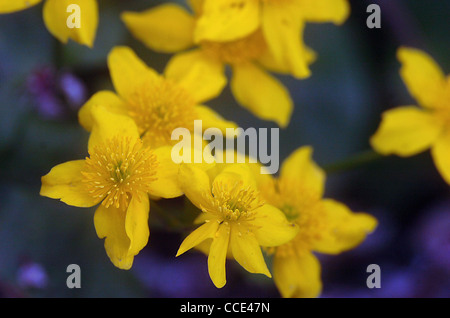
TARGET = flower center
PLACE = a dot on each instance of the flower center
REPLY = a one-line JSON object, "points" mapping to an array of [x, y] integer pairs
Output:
{"points": [[159, 106], [300, 206], [118, 169], [239, 51], [234, 202]]}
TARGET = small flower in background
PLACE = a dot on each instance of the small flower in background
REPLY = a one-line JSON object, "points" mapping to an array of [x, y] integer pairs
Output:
{"points": [[73, 90], [157, 103], [55, 18], [235, 221], [32, 275], [55, 94], [409, 130], [120, 173], [431, 236], [325, 226]]}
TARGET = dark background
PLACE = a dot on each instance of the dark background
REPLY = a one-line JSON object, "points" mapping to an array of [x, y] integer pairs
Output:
{"points": [[43, 83]]}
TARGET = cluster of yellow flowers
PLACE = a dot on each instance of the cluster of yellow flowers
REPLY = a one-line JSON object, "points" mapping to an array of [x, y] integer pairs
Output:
{"points": [[245, 215]]}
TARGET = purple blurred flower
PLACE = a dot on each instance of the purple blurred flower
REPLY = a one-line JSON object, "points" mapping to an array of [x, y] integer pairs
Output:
{"points": [[73, 89], [55, 93], [32, 275], [432, 235]]}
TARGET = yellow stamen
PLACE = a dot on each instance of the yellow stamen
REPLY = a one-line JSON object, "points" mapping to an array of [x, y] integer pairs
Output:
{"points": [[238, 51], [159, 106], [300, 206], [118, 169], [233, 202]]}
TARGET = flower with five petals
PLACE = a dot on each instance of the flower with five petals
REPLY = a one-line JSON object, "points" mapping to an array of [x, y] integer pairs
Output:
{"points": [[118, 175], [235, 221], [409, 130]]}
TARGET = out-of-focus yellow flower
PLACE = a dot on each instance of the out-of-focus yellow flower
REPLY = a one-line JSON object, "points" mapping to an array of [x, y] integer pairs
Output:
{"points": [[169, 28], [158, 103], [225, 20], [120, 173], [281, 22], [325, 225], [235, 221], [55, 18], [408, 130]]}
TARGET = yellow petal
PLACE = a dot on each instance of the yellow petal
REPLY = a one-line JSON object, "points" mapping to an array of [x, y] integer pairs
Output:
{"points": [[253, 169], [56, 19], [422, 76], [211, 119], [195, 184], [300, 168], [108, 100], [297, 276], [166, 28], [110, 225], [225, 20], [406, 131], [236, 173], [218, 255], [64, 182], [166, 185], [441, 155], [246, 250], [336, 11], [272, 227], [9, 6], [262, 94], [108, 125], [127, 70], [283, 31], [136, 223], [283, 66], [203, 77], [342, 229], [204, 232]]}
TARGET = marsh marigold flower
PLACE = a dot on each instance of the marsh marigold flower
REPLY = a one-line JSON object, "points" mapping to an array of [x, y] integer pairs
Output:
{"points": [[281, 21], [409, 130], [55, 18], [235, 221], [325, 226], [157, 103], [232, 33], [119, 174]]}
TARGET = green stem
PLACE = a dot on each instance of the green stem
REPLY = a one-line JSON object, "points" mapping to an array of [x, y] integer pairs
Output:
{"points": [[355, 161]]}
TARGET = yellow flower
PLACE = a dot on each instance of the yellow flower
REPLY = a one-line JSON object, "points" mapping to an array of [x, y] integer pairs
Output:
{"points": [[408, 130], [55, 18], [120, 174], [281, 22], [169, 28], [225, 20], [157, 103], [325, 225], [235, 221]]}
